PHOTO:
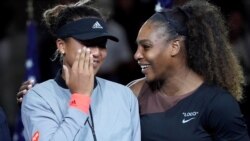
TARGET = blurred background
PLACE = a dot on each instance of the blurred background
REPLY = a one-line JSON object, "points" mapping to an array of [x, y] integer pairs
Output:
{"points": [[25, 44]]}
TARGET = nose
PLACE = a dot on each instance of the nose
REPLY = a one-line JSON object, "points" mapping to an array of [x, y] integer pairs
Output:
{"points": [[138, 54]]}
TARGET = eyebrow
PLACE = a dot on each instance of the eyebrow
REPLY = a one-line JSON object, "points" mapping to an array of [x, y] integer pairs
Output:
{"points": [[145, 41]]}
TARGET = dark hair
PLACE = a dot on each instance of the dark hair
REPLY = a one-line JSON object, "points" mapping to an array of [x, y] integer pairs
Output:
{"points": [[208, 51], [60, 15]]}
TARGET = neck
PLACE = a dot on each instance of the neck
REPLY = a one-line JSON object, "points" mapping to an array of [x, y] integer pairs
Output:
{"points": [[183, 82]]}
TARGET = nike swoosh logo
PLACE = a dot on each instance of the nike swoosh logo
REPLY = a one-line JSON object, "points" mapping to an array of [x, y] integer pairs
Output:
{"points": [[185, 121]]}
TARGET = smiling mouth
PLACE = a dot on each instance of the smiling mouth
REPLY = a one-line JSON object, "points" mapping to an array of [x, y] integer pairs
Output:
{"points": [[144, 66]]}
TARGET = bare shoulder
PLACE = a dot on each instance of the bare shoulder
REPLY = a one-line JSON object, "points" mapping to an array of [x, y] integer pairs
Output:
{"points": [[136, 85]]}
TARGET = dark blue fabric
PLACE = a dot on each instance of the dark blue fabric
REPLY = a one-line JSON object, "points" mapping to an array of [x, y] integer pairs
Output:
{"points": [[85, 29], [4, 128], [166, 3]]}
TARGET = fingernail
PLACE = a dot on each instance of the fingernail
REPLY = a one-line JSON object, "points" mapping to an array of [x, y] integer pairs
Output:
{"points": [[79, 50], [88, 50]]}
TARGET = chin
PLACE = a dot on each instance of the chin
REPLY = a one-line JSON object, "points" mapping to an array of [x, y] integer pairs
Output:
{"points": [[149, 78], [96, 69], [154, 83]]}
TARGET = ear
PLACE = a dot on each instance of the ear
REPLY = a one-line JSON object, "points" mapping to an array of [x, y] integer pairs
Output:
{"points": [[61, 45], [176, 47]]}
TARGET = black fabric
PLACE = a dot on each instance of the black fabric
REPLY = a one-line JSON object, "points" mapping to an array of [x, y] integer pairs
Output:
{"points": [[85, 29], [209, 114]]}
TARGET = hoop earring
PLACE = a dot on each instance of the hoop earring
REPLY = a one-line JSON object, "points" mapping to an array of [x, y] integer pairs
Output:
{"points": [[61, 57]]}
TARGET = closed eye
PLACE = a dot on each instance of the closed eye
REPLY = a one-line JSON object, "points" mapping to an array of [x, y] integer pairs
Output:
{"points": [[145, 44]]}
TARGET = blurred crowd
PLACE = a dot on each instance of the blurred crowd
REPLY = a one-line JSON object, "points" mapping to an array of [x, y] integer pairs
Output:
{"points": [[125, 19]]}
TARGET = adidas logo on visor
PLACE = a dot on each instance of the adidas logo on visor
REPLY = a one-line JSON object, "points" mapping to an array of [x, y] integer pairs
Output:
{"points": [[97, 25]]}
